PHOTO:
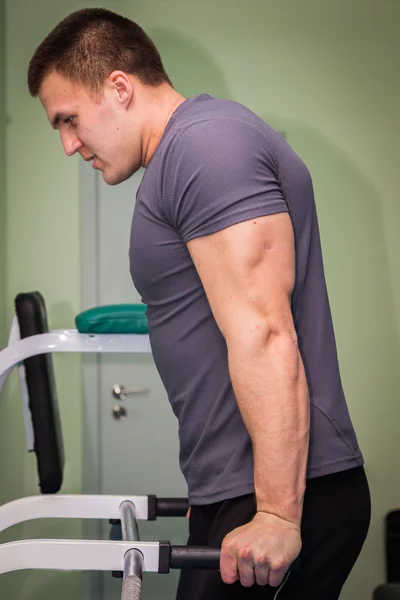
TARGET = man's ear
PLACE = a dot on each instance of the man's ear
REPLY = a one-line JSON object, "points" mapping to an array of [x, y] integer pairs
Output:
{"points": [[120, 84]]}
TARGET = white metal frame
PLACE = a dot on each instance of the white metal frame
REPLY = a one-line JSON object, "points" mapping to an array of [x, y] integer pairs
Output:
{"points": [[66, 340], [69, 506], [70, 555], [75, 555], [83, 555], [59, 340]]}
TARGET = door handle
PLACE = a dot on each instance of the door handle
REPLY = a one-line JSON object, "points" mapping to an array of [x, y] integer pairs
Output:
{"points": [[120, 392]]}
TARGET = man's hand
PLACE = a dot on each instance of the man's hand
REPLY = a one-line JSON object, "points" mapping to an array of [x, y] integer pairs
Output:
{"points": [[260, 551]]}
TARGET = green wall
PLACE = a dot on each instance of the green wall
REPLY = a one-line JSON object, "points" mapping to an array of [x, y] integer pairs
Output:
{"points": [[326, 73], [3, 338]]}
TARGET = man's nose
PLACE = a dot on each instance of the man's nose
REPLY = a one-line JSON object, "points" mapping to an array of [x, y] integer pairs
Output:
{"points": [[71, 143]]}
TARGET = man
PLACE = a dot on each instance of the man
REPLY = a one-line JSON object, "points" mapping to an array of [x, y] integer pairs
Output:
{"points": [[225, 252]]}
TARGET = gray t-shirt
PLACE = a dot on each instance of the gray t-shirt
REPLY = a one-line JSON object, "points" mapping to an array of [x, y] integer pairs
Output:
{"points": [[218, 164]]}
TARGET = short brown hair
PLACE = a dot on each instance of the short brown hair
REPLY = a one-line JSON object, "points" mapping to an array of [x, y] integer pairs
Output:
{"points": [[89, 44]]}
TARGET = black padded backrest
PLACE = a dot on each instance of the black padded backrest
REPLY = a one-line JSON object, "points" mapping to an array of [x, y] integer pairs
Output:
{"points": [[30, 309]]}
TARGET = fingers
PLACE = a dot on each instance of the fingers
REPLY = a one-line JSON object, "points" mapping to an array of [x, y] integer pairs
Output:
{"points": [[233, 570], [262, 574], [259, 573], [276, 577], [228, 567], [246, 572], [244, 568]]}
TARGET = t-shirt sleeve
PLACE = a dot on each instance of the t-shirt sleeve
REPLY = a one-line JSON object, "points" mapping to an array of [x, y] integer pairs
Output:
{"points": [[217, 173]]}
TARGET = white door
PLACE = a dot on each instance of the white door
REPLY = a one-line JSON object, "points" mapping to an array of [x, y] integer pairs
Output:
{"points": [[139, 454]]}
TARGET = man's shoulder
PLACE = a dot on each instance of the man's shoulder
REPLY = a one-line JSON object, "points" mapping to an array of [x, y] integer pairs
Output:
{"points": [[204, 123], [206, 111]]}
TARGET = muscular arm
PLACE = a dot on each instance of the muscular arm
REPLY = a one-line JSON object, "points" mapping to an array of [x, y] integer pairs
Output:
{"points": [[248, 271]]}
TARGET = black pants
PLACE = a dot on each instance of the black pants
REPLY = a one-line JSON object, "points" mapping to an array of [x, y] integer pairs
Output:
{"points": [[336, 517]]}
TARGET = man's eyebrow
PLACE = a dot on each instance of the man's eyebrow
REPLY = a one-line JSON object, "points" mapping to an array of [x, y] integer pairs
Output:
{"points": [[56, 119]]}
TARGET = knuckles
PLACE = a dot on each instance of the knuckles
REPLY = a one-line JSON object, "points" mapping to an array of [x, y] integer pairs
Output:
{"points": [[245, 553], [278, 565]]}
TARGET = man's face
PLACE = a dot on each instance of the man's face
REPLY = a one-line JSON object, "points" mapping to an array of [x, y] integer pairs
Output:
{"points": [[96, 128]]}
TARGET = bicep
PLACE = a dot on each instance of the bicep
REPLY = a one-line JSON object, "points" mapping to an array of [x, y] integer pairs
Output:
{"points": [[248, 273]]}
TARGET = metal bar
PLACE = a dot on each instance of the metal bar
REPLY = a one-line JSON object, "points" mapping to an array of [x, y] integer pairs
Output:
{"points": [[129, 526], [133, 564], [133, 559], [131, 588]]}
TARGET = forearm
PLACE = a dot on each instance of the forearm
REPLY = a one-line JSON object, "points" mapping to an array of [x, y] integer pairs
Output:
{"points": [[271, 390]]}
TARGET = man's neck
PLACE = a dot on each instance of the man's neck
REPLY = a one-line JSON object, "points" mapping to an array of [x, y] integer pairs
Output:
{"points": [[164, 105]]}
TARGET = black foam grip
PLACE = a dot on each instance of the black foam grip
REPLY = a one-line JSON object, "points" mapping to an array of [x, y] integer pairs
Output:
{"points": [[203, 557], [172, 507], [194, 557]]}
